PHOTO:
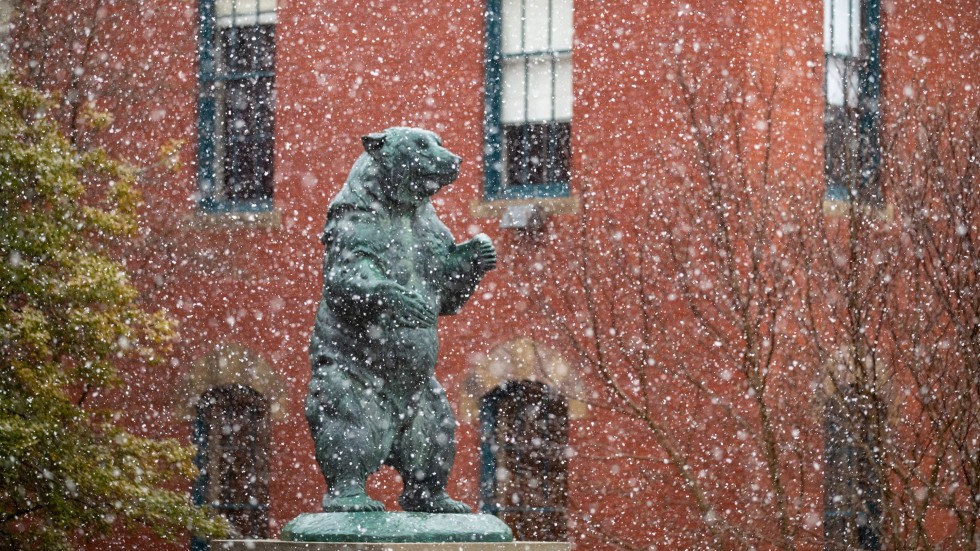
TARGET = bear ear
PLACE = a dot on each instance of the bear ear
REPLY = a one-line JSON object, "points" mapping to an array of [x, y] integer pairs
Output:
{"points": [[373, 142]]}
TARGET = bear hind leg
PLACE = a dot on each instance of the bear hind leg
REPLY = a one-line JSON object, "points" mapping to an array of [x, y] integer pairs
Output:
{"points": [[345, 458], [347, 449], [423, 455]]}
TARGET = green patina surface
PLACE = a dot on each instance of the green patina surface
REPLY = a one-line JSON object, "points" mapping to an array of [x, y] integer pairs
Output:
{"points": [[375, 527]]}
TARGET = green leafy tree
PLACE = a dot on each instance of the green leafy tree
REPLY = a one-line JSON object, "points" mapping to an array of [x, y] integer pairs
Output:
{"points": [[69, 318]]}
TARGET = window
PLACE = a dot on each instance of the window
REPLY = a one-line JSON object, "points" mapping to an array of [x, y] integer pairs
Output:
{"points": [[6, 20], [852, 48], [232, 436], [528, 126], [852, 491], [524, 467], [236, 104]]}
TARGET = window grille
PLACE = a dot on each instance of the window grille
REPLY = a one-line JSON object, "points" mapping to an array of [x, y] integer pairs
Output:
{"points": [[524, 478], [236, 104], [232, 437], [529, 98]]}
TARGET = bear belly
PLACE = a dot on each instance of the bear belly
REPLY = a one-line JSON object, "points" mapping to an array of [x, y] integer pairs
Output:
{"points": [[406, 357], [396, 363]]}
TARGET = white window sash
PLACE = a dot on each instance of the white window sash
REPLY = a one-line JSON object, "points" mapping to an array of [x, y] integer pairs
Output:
{"points": [[537, 89], [239, 13], [561, 25], [536, 40], [842, 82], [842, 27]]}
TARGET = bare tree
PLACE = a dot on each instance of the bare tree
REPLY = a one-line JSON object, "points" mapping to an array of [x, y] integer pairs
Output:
{"points": [[768, 369], [891, 310], [93, 57], [678, 302], [933, 451]]}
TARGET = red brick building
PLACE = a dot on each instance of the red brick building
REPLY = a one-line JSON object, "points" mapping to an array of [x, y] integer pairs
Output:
{"points": [[249, 114]]}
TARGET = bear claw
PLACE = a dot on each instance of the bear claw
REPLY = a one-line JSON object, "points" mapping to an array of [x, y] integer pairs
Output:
{"points": [[351, 504], [438, 504]]}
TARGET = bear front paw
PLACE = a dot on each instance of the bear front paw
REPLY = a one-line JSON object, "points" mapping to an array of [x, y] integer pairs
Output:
{"points": [[486, 254], [408, 309], [478, 253]]}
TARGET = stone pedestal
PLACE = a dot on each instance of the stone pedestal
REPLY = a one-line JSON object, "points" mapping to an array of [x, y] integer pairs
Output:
{"points": [[275, 545]]}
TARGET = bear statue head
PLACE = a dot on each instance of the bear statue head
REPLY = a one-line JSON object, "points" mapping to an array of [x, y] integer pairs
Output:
{"points": [[412, 164]]}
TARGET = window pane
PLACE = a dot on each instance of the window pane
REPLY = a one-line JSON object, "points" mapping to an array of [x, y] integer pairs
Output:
{"points": [[523, 165], [828, 6], [840, 23], [854, 28], [563, 88], [244, 12], [560, 164], [529, 437], [537, 153], [539, 89], [842, 82], [235, 419], [513, 91], [246, 108], [842, 27], [536, 25], [248, 139], [835, 82], [263, 47], [561, 24], [243, 7], [512, 28], [549, 94], [841, 146], [247, 49]]}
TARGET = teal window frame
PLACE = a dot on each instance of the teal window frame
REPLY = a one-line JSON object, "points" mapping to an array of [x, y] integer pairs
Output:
{"points": [[212, 74], [852, 149], [495, 185]]}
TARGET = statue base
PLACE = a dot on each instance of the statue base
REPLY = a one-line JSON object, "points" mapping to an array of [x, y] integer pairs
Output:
{"points": [[396, 527], [392, 532], [275, 545]]}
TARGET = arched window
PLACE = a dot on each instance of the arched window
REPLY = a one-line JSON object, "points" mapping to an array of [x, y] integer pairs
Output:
{"points": [[524, 478], [852, 489], [232, 435]]}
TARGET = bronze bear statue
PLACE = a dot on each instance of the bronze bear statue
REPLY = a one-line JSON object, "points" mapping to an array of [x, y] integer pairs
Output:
{"points": [[390, 267]]}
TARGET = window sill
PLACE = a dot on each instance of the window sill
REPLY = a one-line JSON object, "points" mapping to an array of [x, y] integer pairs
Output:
{"points": [[227, 220], [840, 208], [484, 208]]}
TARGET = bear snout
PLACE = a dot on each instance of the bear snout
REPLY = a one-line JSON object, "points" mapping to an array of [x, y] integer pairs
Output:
{"points": [[444, 169], [453, 171]]}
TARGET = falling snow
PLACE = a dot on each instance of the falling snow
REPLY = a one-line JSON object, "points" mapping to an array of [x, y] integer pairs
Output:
{"points": [[736, 304]]}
